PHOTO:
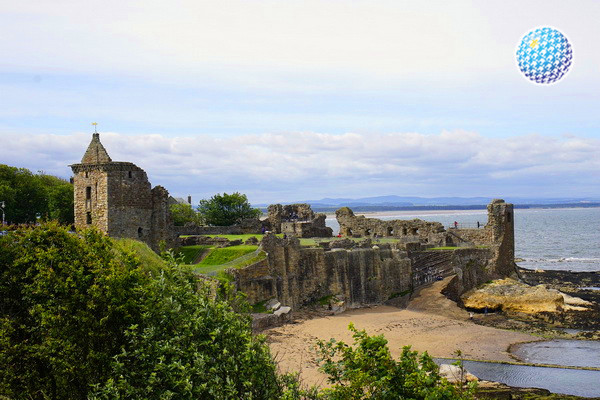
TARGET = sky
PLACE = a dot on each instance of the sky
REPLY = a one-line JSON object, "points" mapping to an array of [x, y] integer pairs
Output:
{"points": [[294, 100]]}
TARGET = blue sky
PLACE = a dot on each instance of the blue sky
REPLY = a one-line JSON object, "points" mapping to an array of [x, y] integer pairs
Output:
{"points": [[304, 99]]}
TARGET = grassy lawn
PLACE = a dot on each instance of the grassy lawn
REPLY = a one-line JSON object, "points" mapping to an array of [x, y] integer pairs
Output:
{"points": [[191, 253], [225, 255]]}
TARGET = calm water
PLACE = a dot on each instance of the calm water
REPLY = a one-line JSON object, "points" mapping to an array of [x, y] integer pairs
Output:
{"points": [[575, 353], [566, 239], [557, 380]]}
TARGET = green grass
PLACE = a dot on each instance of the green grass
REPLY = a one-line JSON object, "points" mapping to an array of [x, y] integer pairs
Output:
{"points": [[148, 258], [224, 255], [261, 308], [444, 248], [191, 253]]}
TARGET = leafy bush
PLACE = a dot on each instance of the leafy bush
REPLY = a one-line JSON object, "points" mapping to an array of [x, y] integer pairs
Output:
{"points": [[81, 318], [368, 371]]}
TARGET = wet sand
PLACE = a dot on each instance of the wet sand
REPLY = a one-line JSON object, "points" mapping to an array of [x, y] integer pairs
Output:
{"points": [[430, 323]]}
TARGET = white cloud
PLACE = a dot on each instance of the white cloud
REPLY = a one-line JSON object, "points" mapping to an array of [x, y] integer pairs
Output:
{"points": [[251, 42], [302, 165]]}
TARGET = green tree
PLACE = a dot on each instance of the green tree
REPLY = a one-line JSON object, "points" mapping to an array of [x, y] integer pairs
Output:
{"points": [[227, 209], [80, 318], [23, 194], [59, 199], [367, 370], [183, 214], [29, 196]]}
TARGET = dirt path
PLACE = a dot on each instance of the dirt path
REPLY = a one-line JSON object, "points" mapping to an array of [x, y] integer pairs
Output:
{"points": [[430, 323]]}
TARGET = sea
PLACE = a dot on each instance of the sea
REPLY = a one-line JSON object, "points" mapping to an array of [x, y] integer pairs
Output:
{"points": [[545, 238]]}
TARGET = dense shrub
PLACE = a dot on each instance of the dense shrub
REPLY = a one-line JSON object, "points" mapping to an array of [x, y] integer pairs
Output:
{"points": [[367, 370], [81, 318]]}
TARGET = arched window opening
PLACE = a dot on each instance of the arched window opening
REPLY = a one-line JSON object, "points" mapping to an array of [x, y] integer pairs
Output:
{"points": [[390, 231], [140, 232]]}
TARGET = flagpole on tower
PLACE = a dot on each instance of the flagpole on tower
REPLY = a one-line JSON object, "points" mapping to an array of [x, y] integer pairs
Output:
{"points": [[95, 125]]}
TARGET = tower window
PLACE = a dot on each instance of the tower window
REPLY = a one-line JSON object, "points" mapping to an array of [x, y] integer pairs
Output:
{"points": [[88, 193], [140, 232], [508, 217], [86, 174], [130, 175], [88, 218]]}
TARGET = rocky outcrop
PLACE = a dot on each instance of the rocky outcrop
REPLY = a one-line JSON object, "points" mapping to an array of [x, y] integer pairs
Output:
{"points": [[511, 295]]}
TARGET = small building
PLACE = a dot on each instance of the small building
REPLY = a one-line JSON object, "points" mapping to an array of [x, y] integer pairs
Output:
{"points": [[117, 198]]}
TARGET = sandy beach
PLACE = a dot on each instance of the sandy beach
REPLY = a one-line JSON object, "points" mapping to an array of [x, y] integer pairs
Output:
{"points": [[430, 323]]}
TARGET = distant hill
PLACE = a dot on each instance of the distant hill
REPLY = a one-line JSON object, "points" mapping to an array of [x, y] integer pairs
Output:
{"points": [[393, 202]]}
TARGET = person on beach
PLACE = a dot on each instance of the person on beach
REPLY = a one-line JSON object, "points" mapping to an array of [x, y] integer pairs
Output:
{"points": [[455, 225]]}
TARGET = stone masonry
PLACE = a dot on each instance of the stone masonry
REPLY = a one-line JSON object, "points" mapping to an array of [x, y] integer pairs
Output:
{"points": [[118, 199], [298, 220]]}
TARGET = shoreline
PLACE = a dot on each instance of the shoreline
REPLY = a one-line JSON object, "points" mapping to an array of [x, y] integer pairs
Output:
{"points": [[431, 323]]}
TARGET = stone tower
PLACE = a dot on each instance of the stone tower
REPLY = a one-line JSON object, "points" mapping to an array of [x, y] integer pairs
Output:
{"points": [[117, 198], [501, 222]]}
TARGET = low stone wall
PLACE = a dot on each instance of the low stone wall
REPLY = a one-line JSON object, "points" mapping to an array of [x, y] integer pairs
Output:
{"points": [[360, 226], [478, 237], [250, 226]]}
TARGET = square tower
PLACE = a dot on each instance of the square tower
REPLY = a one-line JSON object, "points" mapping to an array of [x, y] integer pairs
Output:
{"points": [[117, 198]]}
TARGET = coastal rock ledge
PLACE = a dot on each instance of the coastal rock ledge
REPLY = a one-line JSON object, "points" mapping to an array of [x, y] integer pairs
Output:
{"points": [[511, 295]]}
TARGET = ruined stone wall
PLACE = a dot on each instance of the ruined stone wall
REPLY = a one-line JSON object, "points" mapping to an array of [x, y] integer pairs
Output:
{"points": [[478, 237], [367, 273], [129, 202], [247, 226], [300, 276], [416, 229], [308, 229], [427, 266], [161, 229], [298, 220]]}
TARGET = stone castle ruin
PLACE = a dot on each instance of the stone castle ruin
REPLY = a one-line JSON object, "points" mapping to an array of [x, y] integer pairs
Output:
{"points": [[368, 272], [118, 199], [361, 269]]}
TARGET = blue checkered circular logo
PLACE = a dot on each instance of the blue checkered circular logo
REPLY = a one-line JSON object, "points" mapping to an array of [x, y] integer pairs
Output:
{"points": [[544, 55]]}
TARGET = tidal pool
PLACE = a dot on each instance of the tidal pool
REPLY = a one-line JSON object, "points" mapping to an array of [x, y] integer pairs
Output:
{"points": [[575, 353], [575, 382]]}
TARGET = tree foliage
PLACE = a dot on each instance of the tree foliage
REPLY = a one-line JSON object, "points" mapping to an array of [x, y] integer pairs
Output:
{"points": [[367, 370], [80, 318], [184, 214], [27, 196], [227, 209]]}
